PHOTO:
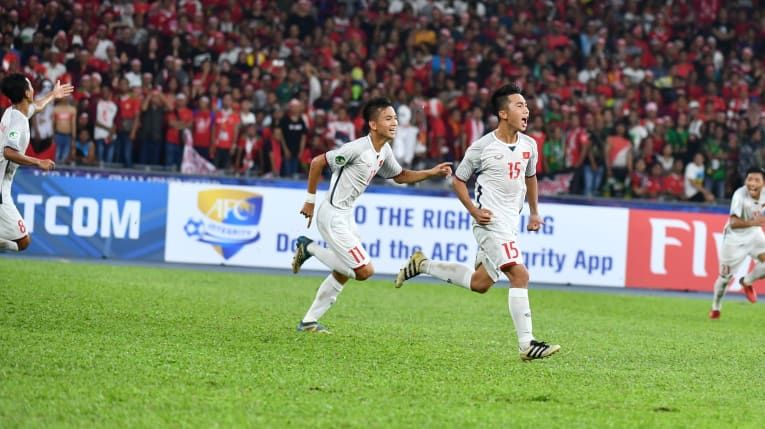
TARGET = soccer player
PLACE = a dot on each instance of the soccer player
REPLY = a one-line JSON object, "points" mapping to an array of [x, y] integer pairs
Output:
{"points": [[743, 235], [353, 166], [504, 162], [14, 139]]}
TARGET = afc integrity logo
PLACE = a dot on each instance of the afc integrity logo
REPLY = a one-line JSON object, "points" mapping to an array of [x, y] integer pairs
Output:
{"points": [[230, 220]]}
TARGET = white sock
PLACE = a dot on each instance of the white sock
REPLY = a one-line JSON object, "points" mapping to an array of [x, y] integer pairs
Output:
{"points": [[326, 296], [757, 273], [450, 272], [721, 285], [8, 245], [328, 258], [520, 311]]}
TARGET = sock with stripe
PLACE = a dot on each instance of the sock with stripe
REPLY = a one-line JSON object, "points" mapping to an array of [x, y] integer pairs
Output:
{"points": [[8, 245], [328, 258], [450, 272], [326, 296], [520, 311]]}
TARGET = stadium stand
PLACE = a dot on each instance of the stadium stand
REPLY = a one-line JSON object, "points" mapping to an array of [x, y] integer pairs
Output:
{"points": [[627, 98]]}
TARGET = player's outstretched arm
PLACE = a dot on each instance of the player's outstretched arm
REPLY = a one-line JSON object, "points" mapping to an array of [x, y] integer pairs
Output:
{"points": [[532, 195], [21, 159], [59, 91], [314, 175], [443, 169]]}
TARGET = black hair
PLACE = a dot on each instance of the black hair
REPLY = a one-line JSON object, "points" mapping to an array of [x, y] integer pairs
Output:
{"points": [[373, 107], [756, 170], [15, 86], [499, 97]]}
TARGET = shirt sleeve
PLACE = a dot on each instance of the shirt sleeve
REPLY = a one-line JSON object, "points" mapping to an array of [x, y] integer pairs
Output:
{"points": [[338, 158], [737, 205], [470, 164], [390, 168], [531, 167], [13, 135]]}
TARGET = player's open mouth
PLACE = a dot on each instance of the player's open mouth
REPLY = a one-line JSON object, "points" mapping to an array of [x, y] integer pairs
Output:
{"points": [[525, 122]]}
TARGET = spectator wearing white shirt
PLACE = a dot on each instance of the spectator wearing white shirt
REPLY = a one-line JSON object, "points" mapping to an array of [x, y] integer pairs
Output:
{"points": [[405, 142], [103, 43], [341, 129], [134, 75], [103, 134], [246, 117], [694, 180], [53, 68]]}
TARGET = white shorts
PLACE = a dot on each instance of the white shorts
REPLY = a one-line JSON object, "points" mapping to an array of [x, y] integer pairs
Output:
{"points": [[733, 254], [11, 223], [497, 250], [338, 229]]}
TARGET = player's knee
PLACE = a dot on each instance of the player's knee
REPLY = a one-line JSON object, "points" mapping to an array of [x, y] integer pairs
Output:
{"points": [[480, 288], [365, 272], [23, 243], [342, 279], [481, 281], [480, 284], [518, 275]]}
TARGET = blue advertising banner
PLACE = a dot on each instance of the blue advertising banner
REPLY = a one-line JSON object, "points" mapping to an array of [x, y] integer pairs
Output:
{"points": [[92, 217]]}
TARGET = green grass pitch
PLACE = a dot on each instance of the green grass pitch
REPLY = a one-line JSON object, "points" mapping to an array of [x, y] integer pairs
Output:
{"points": [[95, 345]]}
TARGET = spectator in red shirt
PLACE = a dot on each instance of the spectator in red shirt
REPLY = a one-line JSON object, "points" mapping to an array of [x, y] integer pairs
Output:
{"points": [[639, 179], [178, 120], [577, 144], [674, 182], [249, 152], [538, 134], [204, 120], [654, 183], [225, 133], [129, 107]]}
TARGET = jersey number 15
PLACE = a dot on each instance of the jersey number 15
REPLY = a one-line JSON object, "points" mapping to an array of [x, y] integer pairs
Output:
{"points": [[514, 169]]}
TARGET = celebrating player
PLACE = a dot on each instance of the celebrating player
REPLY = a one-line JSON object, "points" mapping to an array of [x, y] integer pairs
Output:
{"points": [[14, 139], [743, 236], [353, 166], [506, 160]]}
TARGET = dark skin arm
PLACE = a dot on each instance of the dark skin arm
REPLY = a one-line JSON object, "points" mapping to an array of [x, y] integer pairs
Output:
{"points": [[21, 159], [736, 222], [406, 176]]}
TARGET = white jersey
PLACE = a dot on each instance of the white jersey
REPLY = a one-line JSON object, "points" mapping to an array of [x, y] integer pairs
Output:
{"points": [[501, 170], [745, 207], [353, 166], [14, 133]]}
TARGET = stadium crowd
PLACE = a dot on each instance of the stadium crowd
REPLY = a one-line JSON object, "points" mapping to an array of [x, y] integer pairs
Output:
{"points": [[649, 99]]}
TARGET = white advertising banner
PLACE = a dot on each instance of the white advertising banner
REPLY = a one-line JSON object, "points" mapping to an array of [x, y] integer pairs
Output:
{"points": [[257, 226]]}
